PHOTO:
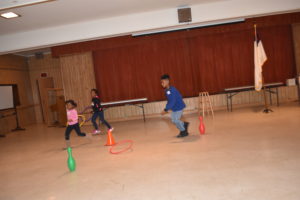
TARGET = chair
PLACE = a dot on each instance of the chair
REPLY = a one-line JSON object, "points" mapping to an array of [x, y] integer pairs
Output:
{"points": [[205, 104]]}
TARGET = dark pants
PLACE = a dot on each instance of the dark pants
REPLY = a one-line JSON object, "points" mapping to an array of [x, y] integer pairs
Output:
{"points": [[99, 114], [76, 128]]}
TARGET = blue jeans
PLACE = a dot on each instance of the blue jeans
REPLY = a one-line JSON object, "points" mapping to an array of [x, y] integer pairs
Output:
{"points": [[99, 114], [175, 116]]}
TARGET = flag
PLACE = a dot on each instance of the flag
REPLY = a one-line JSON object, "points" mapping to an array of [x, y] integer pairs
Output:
{"points": [[259, 59]]}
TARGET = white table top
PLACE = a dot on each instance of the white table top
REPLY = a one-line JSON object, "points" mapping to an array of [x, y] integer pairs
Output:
{"points": [[252, 86], [124, 101]]}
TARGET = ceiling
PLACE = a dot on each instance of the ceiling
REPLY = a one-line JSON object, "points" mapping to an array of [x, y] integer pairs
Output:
{"points": [[60, 22], [60, 12]]}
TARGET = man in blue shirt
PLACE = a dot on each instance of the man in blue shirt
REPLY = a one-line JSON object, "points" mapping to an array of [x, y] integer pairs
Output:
{"points": [[175, 104]]}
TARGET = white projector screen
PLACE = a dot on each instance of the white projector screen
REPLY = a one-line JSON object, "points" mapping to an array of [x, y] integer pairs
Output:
{"points": [[6, 97]]}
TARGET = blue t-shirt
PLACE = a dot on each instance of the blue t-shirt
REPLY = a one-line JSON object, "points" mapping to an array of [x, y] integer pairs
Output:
{"points": [[175, 101]]}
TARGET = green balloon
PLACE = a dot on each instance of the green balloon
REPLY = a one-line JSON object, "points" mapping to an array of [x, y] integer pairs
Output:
{"points": [[71, 161]]}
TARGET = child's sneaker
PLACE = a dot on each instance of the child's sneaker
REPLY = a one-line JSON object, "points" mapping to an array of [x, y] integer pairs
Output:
{"points": [[95, 132], [111, 129]]}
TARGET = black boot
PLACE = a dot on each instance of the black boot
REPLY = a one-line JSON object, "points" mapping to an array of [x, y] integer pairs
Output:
{"points": [[183, 134], [186, 126], [180, 134]]}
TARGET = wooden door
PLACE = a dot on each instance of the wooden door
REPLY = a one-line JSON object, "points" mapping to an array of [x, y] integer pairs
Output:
{"points": [[44, 83]]}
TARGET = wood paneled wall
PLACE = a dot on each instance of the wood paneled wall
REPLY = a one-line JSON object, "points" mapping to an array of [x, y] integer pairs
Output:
{"points": [[115, 42], [37, 66], [14, 70], [199, 63], [79, 91], [153, 109], [78, 78], [134, 71], [193, 58], [208, 59], [296, 35]]}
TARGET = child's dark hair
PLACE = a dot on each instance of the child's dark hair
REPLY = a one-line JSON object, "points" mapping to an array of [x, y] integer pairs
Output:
{"points": [[72, 102], [95, 90], [165, 77]]}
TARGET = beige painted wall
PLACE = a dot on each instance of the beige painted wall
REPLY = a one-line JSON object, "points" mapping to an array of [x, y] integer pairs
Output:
{"points": [[14, 70]]}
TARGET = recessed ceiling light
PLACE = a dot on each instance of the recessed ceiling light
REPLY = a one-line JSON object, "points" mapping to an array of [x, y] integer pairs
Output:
{"points": [[9, 15]]}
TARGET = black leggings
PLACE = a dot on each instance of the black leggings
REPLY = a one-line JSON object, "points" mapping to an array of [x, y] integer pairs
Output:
{"points": [[76, 128], [99, 114]]}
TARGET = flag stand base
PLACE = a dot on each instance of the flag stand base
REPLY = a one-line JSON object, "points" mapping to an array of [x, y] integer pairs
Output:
{"points": [[18, 129], [267, 110]]}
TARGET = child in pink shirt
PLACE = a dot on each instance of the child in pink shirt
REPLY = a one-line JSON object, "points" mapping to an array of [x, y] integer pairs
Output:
{"points": [[72, 117]]}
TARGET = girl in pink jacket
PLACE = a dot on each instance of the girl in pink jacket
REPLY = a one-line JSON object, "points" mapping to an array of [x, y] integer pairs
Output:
{"points": [[72, 117]]}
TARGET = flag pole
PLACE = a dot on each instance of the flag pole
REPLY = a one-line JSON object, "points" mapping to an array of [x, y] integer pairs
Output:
{"points": [[255, 33], [267, 109]]}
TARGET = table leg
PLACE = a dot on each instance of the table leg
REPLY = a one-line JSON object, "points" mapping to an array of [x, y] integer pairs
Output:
{"points": [[144, 113], [230, 102], [277, 96], [270, 96], [227, 102]]}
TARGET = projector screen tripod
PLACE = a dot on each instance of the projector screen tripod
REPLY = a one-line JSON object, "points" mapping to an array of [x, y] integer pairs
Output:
{"points": [[18, 128]]}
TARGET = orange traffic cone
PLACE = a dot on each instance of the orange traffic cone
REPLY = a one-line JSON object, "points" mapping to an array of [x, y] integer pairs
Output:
{"points": [[110, 139]]}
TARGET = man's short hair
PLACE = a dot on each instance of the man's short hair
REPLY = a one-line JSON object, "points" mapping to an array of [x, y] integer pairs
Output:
{"points": [[165, 77]]}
